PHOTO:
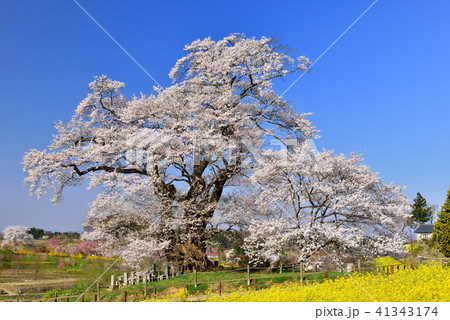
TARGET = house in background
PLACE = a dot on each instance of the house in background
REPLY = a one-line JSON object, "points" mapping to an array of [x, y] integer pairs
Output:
{"points": [[424, 232], [212, 254]]}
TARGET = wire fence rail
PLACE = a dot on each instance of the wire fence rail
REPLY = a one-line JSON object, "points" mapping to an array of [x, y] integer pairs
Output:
{"points": [[219, 286]]}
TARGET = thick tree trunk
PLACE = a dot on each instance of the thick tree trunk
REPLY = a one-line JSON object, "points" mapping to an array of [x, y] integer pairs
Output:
{"points": [[189, 247], [196, 236]]}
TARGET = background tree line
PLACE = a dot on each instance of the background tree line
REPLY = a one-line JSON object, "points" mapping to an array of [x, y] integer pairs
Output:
{"points": [[421, 213]]}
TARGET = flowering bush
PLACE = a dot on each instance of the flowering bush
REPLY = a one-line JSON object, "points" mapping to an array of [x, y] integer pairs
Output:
{"points": [[87, 247], [58, 254], [415, 249], [94, 257], [53, 243], [31, 262], [385, 261], [59, 249], [29, 252], [73, 250], [61, 263]]}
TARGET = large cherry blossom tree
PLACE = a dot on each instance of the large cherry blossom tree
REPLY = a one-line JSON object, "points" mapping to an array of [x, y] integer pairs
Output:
{"points": [[201, 156], [164, 161]]}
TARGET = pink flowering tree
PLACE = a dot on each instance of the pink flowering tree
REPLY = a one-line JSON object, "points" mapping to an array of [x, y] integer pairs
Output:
{"points": [[87, 247], [53, 243], [59, 249], [73, 250]]}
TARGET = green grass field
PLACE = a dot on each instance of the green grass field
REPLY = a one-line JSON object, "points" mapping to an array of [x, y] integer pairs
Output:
{"points": [[40, 276], [48, 276]]}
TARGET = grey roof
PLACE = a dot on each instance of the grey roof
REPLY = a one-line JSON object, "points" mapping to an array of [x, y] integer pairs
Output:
{"points": [[425, 228]]}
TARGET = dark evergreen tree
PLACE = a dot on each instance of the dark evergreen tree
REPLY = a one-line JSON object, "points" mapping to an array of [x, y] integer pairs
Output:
{"points": [[421, 212], [36, 233], [442, 228]]}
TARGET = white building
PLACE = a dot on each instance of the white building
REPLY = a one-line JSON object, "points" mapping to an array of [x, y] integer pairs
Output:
{"points": [[424, 231]]}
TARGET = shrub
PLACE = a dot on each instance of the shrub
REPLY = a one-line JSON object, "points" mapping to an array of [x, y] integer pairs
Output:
{"points": [[59, 249], [88, 247], [72, 249], [51, 293], [385, 261], [415, 249], [53, 243]]}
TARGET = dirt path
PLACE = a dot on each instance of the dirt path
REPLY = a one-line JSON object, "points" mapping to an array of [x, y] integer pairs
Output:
{"points": [[7, 291], [12, 287]]}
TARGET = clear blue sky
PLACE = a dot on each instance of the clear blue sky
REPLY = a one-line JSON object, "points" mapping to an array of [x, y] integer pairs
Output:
{"points": [[383, 89]]}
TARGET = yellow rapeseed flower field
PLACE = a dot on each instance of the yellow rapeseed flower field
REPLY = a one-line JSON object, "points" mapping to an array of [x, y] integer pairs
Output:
{"points": [[423, 284], [427, 284]]}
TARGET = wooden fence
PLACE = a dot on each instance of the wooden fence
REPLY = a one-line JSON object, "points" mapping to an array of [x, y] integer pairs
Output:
{"points": [[219, 285]]}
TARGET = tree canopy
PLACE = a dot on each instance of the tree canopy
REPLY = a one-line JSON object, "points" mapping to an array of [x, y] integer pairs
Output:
{"points": [[442, 227], [421, 212], [314, 201], [17, 235], [176, 166]]}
